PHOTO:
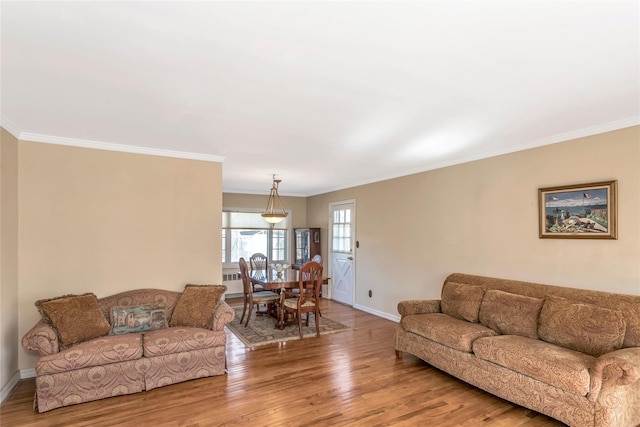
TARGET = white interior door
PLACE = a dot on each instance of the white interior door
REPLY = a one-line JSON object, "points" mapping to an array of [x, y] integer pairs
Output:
{"points": [[341, 254]]}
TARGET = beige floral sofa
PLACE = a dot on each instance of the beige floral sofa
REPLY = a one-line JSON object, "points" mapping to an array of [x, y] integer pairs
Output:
{"points": [[571, 354], [125, 343]]}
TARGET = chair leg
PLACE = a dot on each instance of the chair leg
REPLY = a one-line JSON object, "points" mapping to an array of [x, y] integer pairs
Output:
{"points": [[307, 324], [300, 324], [244, 309], [281, 317], [317, 314], [249, 316], [272, 309]]}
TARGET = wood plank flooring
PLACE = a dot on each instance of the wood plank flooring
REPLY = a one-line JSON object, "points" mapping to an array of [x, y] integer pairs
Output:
{"points": [[350, 378]]}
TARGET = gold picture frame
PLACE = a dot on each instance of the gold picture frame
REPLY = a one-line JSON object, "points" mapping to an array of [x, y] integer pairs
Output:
{"points": [[580, 211]]}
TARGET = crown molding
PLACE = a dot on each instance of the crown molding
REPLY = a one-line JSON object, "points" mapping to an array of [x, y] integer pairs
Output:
{"points": [[98, 145], [9, 126], [580, 133]]}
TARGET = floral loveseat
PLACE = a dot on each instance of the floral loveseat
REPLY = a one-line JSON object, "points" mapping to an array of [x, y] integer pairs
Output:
{"points": [[571, 354], [125, 343]]}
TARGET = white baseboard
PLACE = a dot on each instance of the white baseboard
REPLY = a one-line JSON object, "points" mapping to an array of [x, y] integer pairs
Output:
{"points": [[27, 373], [10, 385], [377, 313]]}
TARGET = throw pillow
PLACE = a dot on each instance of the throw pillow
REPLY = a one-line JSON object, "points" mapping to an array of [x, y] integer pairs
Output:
{"points": [[195, 305], [138, 318], [582, 327], [510, 314], [75, 318], [461, 301]]}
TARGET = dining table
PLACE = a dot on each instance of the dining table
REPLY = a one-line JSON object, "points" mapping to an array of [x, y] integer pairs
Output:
{"points": [[272, 280], [277, 281]]}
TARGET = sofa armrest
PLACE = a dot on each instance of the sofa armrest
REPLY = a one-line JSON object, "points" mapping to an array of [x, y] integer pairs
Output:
{"points": [[41, 338], [408, 307], [222, 314], [615, 388], [620, 367], [617, 368]]}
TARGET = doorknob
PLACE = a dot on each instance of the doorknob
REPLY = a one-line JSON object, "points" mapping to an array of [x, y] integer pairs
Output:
{"points": [[350, 258]]}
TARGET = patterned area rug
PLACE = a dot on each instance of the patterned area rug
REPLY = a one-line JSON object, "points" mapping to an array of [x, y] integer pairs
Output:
{"points": [[261, 329]]}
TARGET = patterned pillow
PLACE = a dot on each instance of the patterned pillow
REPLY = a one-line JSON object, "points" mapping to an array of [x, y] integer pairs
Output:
{"points": [[582, 327], [138, 318], [461, 301], [75, 318], [510, 314], [196, 304]]}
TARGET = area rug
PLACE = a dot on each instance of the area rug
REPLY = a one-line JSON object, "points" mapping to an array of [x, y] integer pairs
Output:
{"points": [[261, 329]]}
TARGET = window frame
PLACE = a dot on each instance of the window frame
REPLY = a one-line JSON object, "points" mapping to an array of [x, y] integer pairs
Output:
{"points": [[227, 239]]}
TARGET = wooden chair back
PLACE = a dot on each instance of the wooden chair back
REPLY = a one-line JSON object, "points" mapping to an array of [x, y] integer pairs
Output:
{"points": [[259, 261], [244, 275]]}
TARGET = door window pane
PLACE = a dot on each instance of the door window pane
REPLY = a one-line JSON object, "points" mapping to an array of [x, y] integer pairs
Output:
{"points": [[342, 230]]}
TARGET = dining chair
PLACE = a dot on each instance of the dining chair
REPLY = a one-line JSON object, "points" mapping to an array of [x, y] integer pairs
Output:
{"points": [[307, 298], [252, 298], [259, 261], [318, 259]]}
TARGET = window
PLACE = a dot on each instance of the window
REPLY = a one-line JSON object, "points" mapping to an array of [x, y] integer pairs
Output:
{"points": [[342, 230], [245, 233]]}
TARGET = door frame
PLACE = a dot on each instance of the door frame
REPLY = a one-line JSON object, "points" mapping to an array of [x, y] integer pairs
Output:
{"points": [[353, 246]]}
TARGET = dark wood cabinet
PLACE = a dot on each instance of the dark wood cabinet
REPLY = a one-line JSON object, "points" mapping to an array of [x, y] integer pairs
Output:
{"points": [[306, 245]]}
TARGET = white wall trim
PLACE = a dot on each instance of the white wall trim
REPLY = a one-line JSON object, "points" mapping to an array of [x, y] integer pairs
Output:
{"points": [[10, 385], [27, 373], [9, 126], [382, 314], [98, 145]]}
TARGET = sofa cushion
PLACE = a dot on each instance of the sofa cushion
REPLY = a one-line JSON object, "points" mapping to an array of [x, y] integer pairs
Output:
{"points": [[510, 314], [446, 330], [461, 300], [196, 304], [158, 297], [582, 327], [548, 363], [76, 318], [178, 339], [96, 352], [137, 318]]}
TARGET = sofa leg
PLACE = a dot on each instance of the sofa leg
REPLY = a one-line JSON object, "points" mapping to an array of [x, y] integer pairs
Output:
{"points": [[398, 354]]}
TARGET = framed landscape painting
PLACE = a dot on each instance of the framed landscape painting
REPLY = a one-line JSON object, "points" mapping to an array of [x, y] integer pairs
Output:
{"points": [[581, 211]]}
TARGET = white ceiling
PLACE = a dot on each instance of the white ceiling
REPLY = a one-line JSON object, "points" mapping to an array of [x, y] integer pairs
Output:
{"points": [[326, 95]]}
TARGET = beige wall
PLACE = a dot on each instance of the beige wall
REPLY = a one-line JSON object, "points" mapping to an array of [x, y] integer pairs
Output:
{"points": [[104, 222], [8, 260], [481, 218]]}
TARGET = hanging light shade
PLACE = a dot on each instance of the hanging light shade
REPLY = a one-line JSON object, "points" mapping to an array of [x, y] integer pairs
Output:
{"points": [[271, 215]]}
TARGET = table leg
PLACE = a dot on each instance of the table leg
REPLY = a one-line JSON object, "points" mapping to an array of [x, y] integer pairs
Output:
{"points": [[280, 322]]}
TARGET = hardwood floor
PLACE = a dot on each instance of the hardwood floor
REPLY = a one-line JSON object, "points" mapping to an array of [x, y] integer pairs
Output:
{"points": [[349, 378]]}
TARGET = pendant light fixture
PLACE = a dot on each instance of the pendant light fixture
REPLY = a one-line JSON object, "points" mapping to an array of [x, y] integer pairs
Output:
{"points": [[271, 215]]}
